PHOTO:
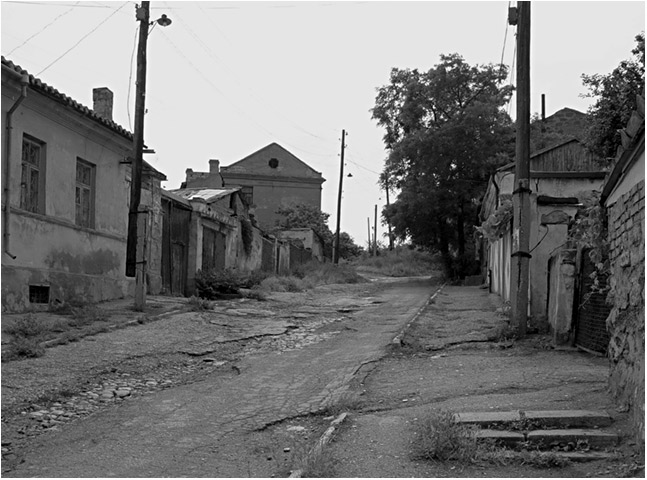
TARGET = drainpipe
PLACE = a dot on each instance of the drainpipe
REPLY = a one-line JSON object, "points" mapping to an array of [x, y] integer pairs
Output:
{"points": [[24, 81]]}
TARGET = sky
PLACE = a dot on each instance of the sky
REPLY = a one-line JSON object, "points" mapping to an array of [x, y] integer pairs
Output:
{"points": [[225, 79]]}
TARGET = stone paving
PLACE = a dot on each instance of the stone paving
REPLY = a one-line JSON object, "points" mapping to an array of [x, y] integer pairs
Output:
{"points": [[200, 428]]}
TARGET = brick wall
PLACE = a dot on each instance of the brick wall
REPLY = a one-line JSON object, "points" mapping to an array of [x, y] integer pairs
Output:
{"points": [[626, 322]]}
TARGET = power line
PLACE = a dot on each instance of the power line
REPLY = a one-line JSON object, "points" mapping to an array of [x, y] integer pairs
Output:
{"points": [[130, 77], [83, 38], [44, 28], [206, 79], [240, 81]]}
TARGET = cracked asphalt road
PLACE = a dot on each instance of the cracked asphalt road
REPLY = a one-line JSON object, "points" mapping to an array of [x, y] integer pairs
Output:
{"points": [[207, 428]]}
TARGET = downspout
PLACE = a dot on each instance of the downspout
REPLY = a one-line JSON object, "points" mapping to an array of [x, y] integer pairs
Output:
{"points": [[24, 81]]}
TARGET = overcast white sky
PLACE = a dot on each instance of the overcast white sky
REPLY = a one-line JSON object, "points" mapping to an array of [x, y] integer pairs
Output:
{"points": [[228, 78]]}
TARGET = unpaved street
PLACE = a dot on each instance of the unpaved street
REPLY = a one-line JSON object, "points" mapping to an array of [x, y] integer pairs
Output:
{"points": [[305, 357]]}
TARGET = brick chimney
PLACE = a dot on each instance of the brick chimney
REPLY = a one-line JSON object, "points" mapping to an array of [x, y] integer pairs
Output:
{"points": [[214, 166], [102, 99]]}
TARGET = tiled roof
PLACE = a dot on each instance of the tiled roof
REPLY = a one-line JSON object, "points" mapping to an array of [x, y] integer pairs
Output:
{"points": [[51, 92]]}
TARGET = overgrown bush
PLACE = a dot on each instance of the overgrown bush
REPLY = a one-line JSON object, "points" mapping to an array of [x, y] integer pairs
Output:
{"points": [[214, 283], [23, 347], [440, 438], [197, 304], [27, 326]]}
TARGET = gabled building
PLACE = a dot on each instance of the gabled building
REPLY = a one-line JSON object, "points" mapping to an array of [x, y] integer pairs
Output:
{"points": [[272, 178], [66, 188], [560, 177]]}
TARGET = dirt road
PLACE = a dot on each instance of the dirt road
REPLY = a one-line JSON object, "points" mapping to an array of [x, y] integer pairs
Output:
{"points": [[300, 358]]}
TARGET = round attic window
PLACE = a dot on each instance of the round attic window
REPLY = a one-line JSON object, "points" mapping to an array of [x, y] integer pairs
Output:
{"points": [[273, 163]]}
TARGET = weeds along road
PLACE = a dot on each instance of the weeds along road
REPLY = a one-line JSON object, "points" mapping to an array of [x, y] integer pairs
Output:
{"points": [[206, 428]]}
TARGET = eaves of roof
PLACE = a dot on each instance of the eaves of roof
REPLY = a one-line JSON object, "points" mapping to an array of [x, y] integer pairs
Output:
{"points": [[49, 91], [206, 194]]}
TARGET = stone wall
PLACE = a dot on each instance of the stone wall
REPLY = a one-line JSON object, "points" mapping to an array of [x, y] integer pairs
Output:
{"points": [[626, 322]]}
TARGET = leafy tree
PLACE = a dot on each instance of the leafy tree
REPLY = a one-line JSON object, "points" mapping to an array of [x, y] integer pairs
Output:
{"points": [[615, 95], [308, 216], [446, 132]]}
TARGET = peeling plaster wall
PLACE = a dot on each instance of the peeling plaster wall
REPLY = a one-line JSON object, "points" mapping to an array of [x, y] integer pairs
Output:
{"points": [[77, 263], [561, 296]]}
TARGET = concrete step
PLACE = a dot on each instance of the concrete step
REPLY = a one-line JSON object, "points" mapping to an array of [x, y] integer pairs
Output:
{"points": [[578, 457], [594, 438], [527, 420], [549, 439]]}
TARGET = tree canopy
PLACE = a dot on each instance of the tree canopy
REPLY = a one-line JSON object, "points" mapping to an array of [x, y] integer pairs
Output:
{"points": [[308, 216], [615, 95], [446, 131]]}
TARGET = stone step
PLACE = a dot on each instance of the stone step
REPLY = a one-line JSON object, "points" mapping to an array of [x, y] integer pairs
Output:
{"points": [[578, 457], [526, 420], [594, 438], [550, 438]]}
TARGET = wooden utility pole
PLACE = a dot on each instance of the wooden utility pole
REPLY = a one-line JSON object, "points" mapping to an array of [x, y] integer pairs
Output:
{"points": [[375, 234], [341, 183], [135, 248], [388, 222], [521, 194], [368, 222]]}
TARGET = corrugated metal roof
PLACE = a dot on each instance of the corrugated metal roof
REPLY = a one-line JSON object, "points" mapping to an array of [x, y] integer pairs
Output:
{"points": [[207, 194], [53, 93]]}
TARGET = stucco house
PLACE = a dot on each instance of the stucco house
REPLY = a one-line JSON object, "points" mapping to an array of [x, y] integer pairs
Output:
{"points": [[623, 197], [561, 176], [271, 178], [66, 177]]}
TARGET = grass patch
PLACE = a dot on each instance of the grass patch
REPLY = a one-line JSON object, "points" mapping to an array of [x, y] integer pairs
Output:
{"points": [[197, 304], [440, 438], [400, 262]]}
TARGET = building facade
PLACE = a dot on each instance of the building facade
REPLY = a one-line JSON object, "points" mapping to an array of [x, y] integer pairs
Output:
{"points": [[272, 178], [66, 188]]}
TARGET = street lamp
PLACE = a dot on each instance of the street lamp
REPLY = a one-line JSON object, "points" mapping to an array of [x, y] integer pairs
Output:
{"points": [[136, 244]]}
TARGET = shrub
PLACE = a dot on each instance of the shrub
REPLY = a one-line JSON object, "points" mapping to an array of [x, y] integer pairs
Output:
{"points": [[23, 347], [197, 304], [25, 327], [439, 437], [213, 283]]}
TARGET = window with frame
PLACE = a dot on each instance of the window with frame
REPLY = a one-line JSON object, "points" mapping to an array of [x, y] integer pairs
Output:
{"points": [[84, 197], [32, 179]]}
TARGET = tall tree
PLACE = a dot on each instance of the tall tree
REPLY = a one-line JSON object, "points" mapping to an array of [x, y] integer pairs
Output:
{"points": [[445, 130], [615, 95]]}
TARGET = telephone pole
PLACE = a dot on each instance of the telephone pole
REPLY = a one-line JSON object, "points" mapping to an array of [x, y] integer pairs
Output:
{"points": [[341, 182], [521, 194], [375, 234], [388, 222], [135, 261]]}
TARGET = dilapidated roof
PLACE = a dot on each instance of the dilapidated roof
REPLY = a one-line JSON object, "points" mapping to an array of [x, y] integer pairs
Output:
{"points": [[207, 194]]}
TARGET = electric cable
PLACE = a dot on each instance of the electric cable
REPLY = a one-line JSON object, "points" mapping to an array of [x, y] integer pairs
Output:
{"points": [[250, 92], [130, 77], [83, 38], [206, 79], [44, 28]]}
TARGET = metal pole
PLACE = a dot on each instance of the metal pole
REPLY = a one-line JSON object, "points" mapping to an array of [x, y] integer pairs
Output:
{"points": [[368, 222], [341, 181], [135, 263], [521, 194]]}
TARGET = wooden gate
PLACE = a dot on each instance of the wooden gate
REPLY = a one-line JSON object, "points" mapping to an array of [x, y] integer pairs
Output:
{"points": [[591, 309], [213, 249], [175, 246]]}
